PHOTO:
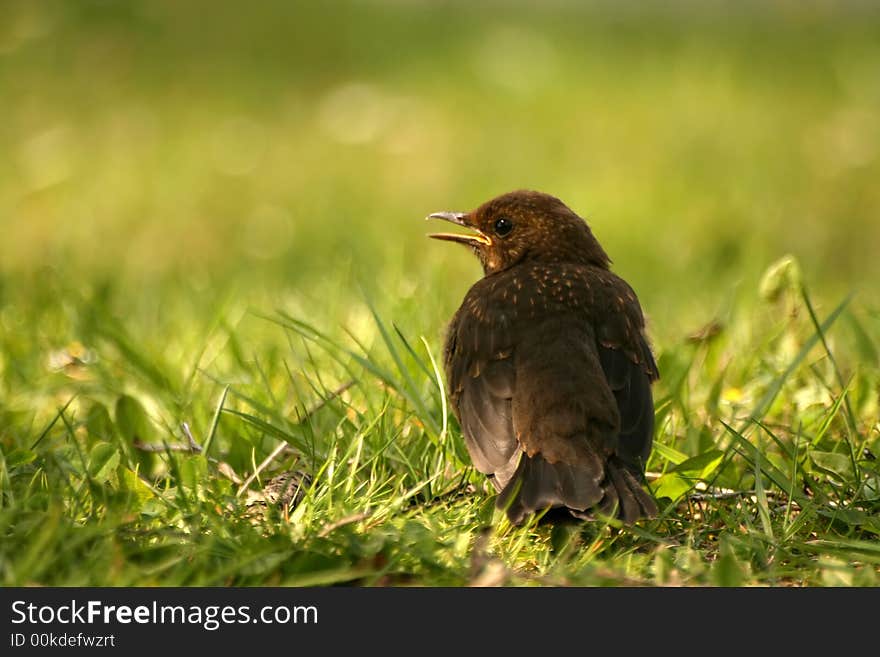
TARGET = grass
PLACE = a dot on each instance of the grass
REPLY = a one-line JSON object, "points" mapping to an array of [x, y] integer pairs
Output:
{"points": [[215, 291]]}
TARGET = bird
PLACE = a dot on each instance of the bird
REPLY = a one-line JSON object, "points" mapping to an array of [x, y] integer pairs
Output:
{"points": [[548, 366]]}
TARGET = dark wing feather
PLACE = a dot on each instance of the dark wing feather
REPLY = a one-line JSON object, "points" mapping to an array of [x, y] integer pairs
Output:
{"points": [[629, 369], [631, 386], [486, 418], [565, 406], [481, 379]]}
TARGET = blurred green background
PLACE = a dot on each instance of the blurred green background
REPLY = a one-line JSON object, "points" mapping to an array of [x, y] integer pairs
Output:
{"points": [[170, 165], [285, 142], [171, 171]]}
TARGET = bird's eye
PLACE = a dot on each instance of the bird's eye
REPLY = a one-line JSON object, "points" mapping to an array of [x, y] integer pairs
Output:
{"points": [[503, 226]]}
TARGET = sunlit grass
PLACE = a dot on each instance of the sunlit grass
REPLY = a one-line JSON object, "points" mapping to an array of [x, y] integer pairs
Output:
{"points": [[764, 464], [219, 240]]}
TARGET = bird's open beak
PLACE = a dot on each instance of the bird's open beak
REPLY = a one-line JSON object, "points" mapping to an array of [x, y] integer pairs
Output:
{"points": [[460, 218]]}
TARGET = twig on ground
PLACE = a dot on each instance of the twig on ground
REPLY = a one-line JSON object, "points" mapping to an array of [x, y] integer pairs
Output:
{"points": [[347, 520], [281, 447], [164, 447], [194, 446], [284, 446], [190, 446]]}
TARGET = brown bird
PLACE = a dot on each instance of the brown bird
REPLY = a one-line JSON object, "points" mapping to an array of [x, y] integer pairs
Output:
{"points": [[548, 368]]}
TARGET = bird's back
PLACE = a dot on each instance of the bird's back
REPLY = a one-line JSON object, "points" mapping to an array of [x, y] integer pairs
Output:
{"points": [[550, 379]]}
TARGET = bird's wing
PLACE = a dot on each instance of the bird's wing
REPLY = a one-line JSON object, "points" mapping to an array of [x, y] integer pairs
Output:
{"points": [[481, 376], [564, 418], [630, 369], [631, 387], [563, 407], [571, 392], [583, 413]]}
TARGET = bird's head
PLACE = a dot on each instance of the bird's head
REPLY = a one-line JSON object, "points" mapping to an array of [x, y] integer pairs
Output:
{"points": [[524, 226]]}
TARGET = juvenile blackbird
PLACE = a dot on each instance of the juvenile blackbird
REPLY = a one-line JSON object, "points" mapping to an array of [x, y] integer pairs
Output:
{"points": [[548, 368]]}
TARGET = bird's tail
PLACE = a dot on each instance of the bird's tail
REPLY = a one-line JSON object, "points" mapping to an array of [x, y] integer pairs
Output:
{"points": [[539, 484]]}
